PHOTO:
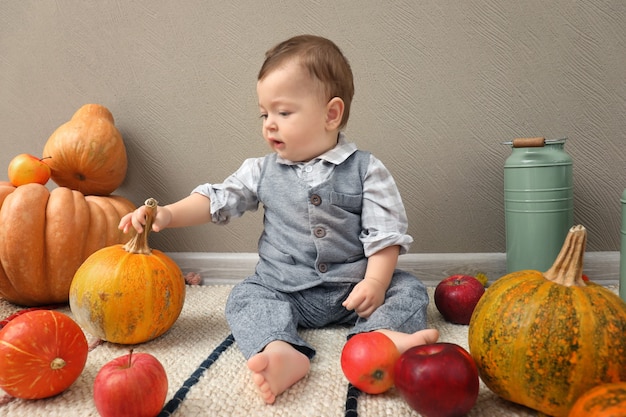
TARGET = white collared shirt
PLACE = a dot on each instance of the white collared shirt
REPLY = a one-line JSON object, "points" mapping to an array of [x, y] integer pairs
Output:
{"points": [[384, 218]]}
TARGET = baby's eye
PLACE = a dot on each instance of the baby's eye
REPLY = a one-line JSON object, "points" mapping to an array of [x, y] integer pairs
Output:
{"points": [[284, 113], [263, 116]]}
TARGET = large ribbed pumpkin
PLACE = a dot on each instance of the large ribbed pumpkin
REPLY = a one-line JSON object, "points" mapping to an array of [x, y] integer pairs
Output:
{"points": [[543, 339], [87, 153], [606, 400], [129, 293], [46, 235]]}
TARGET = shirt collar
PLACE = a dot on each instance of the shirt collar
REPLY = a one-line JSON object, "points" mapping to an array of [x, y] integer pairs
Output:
{"points": [[336, 155]]}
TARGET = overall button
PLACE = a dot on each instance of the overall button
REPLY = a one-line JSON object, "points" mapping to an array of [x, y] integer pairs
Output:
{"points": [[322, 267], [319, 232], [316, 200]]}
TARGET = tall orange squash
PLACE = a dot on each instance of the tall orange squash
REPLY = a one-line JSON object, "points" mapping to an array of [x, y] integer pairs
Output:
{"points": [[87, 153], [129, 293]]}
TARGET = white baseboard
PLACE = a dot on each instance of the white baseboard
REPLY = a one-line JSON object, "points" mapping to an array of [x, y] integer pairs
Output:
{"points": [[230, 268]]}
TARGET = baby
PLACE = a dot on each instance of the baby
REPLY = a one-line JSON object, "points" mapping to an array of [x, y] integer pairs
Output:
{"points": [[334, 223]]}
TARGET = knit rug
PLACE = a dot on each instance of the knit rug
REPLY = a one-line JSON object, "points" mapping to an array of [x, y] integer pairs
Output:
{"points": [[208, 377]]}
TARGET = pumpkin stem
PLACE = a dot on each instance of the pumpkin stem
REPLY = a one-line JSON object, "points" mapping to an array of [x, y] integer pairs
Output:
{"points": [[57, 363], [139, 242], [567, 269]]}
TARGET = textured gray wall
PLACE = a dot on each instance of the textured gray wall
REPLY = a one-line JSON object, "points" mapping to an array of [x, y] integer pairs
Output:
{"points": [[439, 85]]}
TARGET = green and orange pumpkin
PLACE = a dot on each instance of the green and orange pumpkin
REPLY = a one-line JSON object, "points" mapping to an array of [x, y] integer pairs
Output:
{"points": [[544, 339]]}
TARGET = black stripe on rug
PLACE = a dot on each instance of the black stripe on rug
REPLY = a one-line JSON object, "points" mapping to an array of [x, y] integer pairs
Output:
{"points": [[352, 399], [173, 404]]}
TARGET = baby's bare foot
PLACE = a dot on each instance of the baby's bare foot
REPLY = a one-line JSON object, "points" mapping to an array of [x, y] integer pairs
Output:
{"points": [[405, 341], [276, 368]]}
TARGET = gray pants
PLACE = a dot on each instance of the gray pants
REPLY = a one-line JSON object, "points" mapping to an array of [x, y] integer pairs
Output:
{"points": [[258, 315]]}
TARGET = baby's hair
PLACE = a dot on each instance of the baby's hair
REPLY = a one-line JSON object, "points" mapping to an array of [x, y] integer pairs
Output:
{"points": [[324, 62]]}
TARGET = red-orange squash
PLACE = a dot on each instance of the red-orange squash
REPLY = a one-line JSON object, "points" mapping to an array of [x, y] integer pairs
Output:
{"points": [[129, 293], [87, 153], [46, 235], [606, 400], [42, 353], [543, 339]]}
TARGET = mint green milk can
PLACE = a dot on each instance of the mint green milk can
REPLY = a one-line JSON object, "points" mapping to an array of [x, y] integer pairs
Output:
{"points": [[538, 202]]}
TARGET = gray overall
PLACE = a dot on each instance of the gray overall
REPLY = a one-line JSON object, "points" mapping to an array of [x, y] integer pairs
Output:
{"points": [[310, 258]]}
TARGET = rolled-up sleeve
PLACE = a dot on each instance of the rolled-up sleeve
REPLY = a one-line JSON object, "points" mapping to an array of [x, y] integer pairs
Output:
{"points": [[384, 218], [236, 195]]}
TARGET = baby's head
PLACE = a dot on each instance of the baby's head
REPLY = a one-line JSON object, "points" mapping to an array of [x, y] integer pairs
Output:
{"points": [[324, 62]]}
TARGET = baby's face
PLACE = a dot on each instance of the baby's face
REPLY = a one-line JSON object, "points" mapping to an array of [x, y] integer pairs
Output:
{"points": [[294, 114]]}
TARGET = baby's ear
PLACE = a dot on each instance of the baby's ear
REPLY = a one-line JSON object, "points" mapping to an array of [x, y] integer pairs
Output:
{"points": [[334, 113]]}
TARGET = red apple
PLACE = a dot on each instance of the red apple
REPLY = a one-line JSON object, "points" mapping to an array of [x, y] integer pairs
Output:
{"points": [[457, 296], [26, 169], [367, 361], [437, 380], [133, 385]]}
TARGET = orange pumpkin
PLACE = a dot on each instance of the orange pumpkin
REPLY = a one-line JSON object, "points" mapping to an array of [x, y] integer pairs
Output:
{"points": [[606, 400], [543, 339], [46, 235], [129, 293], [87, 153], [42, 353]]}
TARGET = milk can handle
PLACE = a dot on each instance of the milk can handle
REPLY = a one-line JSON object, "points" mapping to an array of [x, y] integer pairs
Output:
{"points": [[529, 142], [532, 142]]}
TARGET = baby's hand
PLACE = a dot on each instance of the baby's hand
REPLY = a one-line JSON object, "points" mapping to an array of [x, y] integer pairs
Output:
{"points": [[137, 220], [366, 297]]}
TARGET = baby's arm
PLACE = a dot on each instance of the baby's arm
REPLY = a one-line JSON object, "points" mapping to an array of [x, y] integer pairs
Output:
{"points": [[369, 294], [192, 210]]}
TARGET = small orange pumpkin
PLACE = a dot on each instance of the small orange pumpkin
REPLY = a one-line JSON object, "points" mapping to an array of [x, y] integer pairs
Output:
{"points": [[87, 153], [42, 353], [605, 400], [129, 293]]}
